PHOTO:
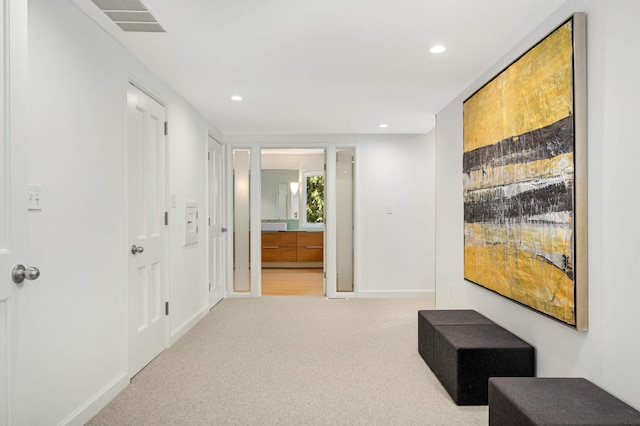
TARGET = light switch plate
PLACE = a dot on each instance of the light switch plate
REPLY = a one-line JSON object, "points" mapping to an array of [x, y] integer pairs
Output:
{"points": [[35, 197]]}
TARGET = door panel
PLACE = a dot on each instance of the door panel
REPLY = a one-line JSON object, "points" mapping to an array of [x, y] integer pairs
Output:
{"points": [[216, 234], [7, 258], [146, 194]]}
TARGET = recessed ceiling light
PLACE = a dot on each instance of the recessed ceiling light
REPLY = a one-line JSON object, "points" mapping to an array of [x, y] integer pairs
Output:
{"points": [[438, 49], [383, 126], [236, 98]]}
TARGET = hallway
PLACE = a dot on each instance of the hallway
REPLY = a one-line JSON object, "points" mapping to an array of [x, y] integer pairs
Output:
{"points": [[294, 361], [65, 336]]}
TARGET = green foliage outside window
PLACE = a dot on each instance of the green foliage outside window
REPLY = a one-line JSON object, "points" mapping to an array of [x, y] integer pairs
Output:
{"points": [[315, 199]]}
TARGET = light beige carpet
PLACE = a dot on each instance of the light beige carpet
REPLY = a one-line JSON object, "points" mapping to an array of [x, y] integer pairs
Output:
{"points": [[293, 361]]}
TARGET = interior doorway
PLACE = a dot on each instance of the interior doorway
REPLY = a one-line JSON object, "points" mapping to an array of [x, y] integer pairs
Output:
{"points": [[292, 222]]}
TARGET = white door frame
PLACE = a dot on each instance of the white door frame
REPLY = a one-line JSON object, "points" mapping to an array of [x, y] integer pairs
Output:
{"points": [[14, 247], [330, 264], [131, 80]]}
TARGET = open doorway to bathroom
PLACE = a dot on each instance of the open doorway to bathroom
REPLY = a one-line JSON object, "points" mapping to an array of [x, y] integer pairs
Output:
{"points": [[292, 229]]}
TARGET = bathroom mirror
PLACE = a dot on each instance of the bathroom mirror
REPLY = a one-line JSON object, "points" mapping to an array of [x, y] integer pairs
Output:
{"points": [[278, 202]]}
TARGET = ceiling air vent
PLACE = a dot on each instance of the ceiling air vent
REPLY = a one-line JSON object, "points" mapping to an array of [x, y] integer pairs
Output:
{"points": [[130, 15]]}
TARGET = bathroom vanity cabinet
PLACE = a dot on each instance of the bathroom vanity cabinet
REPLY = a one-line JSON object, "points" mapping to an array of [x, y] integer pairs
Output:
{"points": [[292, 247]]}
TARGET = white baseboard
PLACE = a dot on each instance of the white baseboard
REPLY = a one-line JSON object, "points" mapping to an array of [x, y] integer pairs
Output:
{"points": [[188, 325], [86, 411], [395, 294]]}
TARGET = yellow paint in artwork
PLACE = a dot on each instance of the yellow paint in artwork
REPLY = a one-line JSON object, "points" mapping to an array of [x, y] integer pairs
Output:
{"points": [[532, 93], [553, 294], [525, 237]]}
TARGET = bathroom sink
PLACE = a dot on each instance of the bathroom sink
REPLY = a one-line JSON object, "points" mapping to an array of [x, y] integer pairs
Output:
{"points": [[274, 226]]}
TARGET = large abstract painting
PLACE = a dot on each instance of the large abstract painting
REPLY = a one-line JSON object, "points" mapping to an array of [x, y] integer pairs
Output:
{"points": [[524, 173]]}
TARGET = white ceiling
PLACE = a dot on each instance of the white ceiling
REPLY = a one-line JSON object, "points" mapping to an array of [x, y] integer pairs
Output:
{"points": [[330, 66]]}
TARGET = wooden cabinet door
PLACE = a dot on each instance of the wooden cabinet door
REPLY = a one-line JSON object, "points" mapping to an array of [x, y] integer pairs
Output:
{"points": [[306, 254], [311, 239], [279, 247], [279, 239], [310, 246], [279, 254]]}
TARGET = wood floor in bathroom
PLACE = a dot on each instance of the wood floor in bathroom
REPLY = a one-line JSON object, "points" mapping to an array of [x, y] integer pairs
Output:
{"points": [[292, 282]]}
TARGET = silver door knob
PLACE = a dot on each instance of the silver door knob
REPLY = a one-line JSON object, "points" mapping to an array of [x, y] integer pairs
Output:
{"points": [[224, 229], [20, 273], [136, 249]]}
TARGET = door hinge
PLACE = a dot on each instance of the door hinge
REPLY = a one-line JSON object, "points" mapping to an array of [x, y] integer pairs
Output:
{"points": [[209, 155], [166, 308], [166, 218], [166, 128]]}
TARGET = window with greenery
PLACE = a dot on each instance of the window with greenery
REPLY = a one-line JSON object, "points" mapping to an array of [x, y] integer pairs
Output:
{"points": [[314, 198]]}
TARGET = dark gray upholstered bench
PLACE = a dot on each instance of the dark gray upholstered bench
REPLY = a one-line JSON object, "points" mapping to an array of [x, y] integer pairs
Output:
{"points": [[466, 349], [523, 401], [428, 318]]}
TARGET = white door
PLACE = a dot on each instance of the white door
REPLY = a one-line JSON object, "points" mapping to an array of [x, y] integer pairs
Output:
{"points": [[13, 191], [216, 223], [146, 228]]}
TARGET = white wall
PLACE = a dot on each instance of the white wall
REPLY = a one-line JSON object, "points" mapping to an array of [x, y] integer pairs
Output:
{"points": [[72, 329], [187, 181], [293, 162], [609, 353], [395, 252]]}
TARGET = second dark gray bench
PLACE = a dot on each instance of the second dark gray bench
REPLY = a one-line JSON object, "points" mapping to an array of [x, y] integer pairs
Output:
{"points": [[524, 401]]}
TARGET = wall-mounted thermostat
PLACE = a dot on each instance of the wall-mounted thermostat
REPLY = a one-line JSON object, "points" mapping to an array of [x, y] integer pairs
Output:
{"points": [[191, 223]]}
